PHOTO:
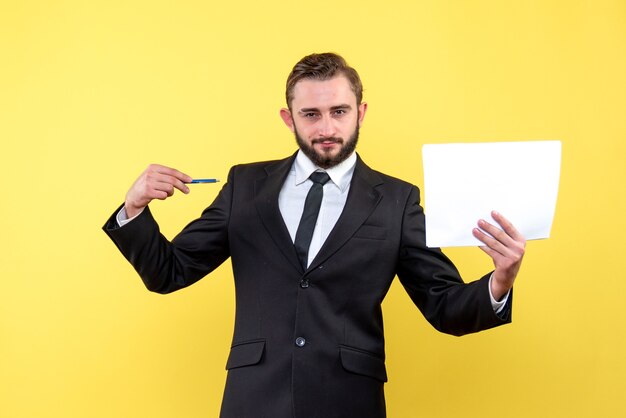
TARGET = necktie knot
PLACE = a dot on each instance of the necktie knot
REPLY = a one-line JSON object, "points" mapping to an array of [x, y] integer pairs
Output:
{"points": [[319, 177]]}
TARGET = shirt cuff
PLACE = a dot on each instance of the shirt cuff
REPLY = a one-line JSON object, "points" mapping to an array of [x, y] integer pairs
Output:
{"points": [[497, 305], [122, 219]]}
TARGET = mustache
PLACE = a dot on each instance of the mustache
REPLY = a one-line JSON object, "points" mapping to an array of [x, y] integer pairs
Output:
{"points": [[331, 139]]}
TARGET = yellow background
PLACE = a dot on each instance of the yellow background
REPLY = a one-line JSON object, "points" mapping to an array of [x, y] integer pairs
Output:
{"points": [[91, 92]]}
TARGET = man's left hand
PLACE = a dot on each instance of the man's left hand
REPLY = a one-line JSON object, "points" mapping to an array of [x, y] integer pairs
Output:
{"points": [[505, 247]]}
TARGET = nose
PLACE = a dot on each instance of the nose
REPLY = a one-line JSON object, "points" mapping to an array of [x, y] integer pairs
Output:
{"points": [[326, 127]]}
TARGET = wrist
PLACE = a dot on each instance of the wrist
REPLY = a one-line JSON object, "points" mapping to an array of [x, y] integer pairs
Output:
{"points": [[132, 210], [498, 290]]}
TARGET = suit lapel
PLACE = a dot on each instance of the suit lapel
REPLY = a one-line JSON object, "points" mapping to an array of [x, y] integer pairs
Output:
{"points": [[361, 202], [266, 191]]}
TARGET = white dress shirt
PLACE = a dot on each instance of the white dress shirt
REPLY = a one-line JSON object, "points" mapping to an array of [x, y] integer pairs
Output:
{"points": [[296, 187]]}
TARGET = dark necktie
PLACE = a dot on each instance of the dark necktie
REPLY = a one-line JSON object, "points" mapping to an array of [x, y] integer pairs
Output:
{"points": [[309, 216]]}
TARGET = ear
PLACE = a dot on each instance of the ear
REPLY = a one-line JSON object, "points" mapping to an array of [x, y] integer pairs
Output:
{"points": [[362, 110], [285, 115]]}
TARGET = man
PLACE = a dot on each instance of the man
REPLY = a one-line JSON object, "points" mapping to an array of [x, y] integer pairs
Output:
{"points": [[308, 339]]}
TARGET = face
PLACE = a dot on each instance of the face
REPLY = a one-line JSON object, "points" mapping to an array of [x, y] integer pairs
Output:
{"points": [[325, 119]]}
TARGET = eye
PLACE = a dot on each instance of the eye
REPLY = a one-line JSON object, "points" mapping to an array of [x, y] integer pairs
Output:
{"points": [[340, 112], [309, 114]]}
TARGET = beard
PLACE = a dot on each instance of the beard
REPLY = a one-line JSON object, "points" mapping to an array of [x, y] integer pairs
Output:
{"points": [[326, 160]]}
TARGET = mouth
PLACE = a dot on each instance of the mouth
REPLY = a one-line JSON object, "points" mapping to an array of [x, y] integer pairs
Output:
{"points": [[327, 141]]}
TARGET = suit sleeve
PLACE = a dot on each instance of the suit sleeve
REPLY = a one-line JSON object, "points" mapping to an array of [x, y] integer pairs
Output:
{"points": [[198, 249], [434, 283]]}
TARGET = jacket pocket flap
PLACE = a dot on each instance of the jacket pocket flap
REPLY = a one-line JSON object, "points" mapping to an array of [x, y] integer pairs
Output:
{"points": [[360, 362], [245, 354]]}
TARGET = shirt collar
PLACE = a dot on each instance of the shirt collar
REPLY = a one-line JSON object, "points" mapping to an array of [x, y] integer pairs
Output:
{"points": [[340, 175]]}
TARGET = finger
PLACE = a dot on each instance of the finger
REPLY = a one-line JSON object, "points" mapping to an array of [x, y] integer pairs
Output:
{"points": [[176, 178], [506, 263], [507, 226], [165, 182], [159, 194], [495, 233], [489, 251], [504, 258], [172, 182], [184, 178], [495, 257], [168, 188], [493, 246]]}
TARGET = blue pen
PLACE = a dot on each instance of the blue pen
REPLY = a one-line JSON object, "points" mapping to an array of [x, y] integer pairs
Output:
{"points": [[197, 181]]}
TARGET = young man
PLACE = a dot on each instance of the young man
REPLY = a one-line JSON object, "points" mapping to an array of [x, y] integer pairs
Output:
{"points": [[313, 256]]}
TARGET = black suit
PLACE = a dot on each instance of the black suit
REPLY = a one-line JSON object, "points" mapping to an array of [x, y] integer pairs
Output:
{"points": [[310, 343]]}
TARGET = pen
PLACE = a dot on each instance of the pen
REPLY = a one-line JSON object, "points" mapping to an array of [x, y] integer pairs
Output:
{"points": [[197, 181]]}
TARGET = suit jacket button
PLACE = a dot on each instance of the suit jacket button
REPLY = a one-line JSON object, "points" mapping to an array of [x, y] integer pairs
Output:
{"points": [[300, 342], [304, 283]]}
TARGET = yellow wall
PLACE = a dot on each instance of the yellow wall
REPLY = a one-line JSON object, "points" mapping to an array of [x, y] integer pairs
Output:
{"points": [[93, 91]]}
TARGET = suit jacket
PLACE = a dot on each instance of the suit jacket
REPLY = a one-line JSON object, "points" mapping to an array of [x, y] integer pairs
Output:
{"points": [[310, 343]]}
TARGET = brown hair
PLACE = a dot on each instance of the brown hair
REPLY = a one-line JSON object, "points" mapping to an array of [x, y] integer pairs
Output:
{"points": [[323, 67]]}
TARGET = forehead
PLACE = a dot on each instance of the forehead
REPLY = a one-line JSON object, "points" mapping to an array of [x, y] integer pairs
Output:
{"points": [[321, 94]]}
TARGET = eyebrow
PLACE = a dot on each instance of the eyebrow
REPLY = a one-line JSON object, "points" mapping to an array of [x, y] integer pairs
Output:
{"points": [[315, 109]]}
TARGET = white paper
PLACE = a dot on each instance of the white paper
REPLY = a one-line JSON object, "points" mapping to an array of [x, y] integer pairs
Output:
{"points": [[465, 182]]}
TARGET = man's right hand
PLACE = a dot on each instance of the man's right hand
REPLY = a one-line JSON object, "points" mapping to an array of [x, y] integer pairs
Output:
{"points": [[156, 182]]}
